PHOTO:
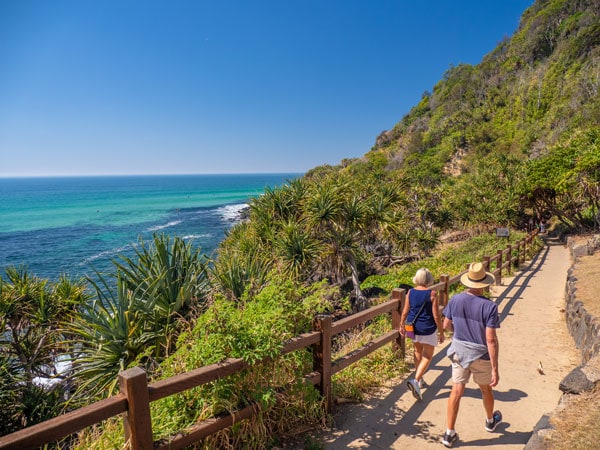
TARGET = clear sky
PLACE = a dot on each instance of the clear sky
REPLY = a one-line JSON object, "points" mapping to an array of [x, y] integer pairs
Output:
{"points": [[222, 86]]}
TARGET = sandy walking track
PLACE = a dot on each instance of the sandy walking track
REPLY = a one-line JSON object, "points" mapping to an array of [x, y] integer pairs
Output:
{"points": [[532, 329]]}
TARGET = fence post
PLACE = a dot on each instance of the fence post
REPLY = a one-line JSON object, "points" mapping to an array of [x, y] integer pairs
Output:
{"points": [[322, 358], [399, 344], [136, 421], [509, 258], [486, 263], [499, 267], [446, 292]]}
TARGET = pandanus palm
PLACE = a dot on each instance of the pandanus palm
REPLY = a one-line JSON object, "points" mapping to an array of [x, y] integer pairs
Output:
{"points": [[172, 270], [137, 314], [242, 263], [276, 207], [32, 313], [337, 216], [296, 248], [111, 332]]}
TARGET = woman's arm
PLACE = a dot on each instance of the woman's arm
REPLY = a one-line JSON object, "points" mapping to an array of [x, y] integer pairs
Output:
{"points": [[435, 309], [448, 324], [404, 315]]}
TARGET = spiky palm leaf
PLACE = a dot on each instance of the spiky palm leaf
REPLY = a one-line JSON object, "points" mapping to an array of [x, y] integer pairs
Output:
{"points": [[110, 334], [237, 272], [176, 272], [296, 247]]}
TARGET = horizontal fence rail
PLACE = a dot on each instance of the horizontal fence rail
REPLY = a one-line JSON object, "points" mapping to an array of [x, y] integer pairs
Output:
{"points": [[133, 402]]}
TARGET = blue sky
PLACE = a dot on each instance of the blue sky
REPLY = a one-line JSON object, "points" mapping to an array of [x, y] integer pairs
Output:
{"points": [[222, 86]]}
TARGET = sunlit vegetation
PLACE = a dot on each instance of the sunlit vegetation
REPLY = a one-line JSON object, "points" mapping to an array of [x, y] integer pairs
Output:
{"points": [[494, 145]]}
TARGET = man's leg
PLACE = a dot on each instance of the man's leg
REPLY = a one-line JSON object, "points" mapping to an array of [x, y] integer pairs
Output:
{"points": [[482, 375], [453, 403], [488, 400]]}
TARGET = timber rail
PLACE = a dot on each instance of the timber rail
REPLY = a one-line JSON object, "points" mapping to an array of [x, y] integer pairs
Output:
{"points": [[133, 401]]}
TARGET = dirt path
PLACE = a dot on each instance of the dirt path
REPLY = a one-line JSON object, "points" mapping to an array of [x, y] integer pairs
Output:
{"points": [[533, 329]]}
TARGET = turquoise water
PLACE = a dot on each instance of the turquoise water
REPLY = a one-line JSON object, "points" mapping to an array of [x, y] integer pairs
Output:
{"points": [[74, 225]]}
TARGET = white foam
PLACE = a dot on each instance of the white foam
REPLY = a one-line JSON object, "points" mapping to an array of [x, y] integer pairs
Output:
{"points": [[107, 253], [196, 236], [232, 213], [62, 365], [167, 225]]}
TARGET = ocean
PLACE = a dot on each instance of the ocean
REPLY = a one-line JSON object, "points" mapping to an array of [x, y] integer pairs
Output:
{"points": [[76, 225]]}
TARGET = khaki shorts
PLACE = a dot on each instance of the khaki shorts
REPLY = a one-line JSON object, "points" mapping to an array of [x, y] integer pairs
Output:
{"points": [[480, 368]]}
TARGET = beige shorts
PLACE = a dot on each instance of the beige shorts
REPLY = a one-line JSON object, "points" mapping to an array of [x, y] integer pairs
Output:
{"points": [[480, 368]]}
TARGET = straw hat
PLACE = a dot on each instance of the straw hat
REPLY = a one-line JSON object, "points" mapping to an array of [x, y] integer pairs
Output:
{"points": [[477, 277]]}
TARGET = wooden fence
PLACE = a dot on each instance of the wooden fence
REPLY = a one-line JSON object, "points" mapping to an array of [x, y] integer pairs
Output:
{"points": [[133, 401]]}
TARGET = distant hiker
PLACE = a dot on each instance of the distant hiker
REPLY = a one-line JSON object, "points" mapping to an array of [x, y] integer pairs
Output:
{"points": [[421, 308], [474, 349]]}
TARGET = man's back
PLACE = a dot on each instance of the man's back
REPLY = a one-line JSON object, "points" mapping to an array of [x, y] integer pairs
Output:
{"points": [[470, 315]]}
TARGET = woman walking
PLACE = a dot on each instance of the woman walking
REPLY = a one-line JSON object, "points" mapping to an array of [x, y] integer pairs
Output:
{"points": [[421, 308]]}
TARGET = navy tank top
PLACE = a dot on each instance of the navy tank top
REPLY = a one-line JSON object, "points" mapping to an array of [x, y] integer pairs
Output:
{"points": [[425, 324]]}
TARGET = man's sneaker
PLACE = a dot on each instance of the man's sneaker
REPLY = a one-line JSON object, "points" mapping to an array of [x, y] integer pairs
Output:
{"points": [[496, 419], [413, 385], [449, 439], [423, 384]]}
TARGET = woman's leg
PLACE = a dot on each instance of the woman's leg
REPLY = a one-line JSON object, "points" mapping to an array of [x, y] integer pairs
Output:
{"points": [[418, 353], [425, 360]]}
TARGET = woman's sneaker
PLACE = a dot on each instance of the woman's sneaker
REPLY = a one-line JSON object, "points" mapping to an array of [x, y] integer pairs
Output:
{"points": [[413, 385], [449, 439], [496, 419], [423, 384]]}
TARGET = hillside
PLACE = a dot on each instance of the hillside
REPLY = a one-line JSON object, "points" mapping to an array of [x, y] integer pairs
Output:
{"points": [[531, 92], [511, 140]]}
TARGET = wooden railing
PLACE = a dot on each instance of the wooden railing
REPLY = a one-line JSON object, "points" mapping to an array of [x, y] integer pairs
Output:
{"points": [[133, 401]]}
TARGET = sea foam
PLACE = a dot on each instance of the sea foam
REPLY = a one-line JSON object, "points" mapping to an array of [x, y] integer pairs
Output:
{"points": [[166, 225], [232, 213], [107, 253]]}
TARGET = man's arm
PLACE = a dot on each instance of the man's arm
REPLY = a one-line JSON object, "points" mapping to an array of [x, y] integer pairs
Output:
{"points": [[448, 324], [493, 348]]}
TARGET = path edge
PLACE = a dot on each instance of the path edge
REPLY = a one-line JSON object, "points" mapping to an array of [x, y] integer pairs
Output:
{"points": [[585, 331]]}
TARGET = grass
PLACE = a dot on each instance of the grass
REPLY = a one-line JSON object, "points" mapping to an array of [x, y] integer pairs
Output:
{"points": [[370, 372], [576, 425]]}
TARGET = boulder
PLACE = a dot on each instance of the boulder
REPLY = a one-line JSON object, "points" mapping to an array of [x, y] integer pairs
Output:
{"points": [[576, 382]]}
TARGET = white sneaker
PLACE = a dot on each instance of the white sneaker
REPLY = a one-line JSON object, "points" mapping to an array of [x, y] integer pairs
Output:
{"points": [[413, 385]]}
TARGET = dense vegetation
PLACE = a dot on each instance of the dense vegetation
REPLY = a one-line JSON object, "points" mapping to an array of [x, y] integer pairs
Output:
{"points": [[513, 138]]}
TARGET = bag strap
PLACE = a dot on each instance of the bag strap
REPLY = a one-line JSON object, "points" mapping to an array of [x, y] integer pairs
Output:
{"points": [[420, 309]]}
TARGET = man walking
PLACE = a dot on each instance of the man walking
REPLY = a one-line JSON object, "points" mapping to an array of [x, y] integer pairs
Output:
{"points": [[474, 349]]}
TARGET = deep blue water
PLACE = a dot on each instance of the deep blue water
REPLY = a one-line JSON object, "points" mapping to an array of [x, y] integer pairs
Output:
{"points": [[74, 225]]}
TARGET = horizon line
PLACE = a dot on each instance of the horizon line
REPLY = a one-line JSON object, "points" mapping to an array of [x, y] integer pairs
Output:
{"points": [[90, 175]]}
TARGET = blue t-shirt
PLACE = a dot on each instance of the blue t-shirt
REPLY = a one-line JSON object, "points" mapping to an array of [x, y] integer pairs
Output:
{"points": [[425, 324], [470, 316]]}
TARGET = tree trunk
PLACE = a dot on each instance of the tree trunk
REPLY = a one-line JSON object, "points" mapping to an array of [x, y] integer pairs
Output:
{"points": [[361, 300]]}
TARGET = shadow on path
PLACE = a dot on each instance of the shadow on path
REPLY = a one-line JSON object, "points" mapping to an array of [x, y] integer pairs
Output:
{"points": [[523, 277]]}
